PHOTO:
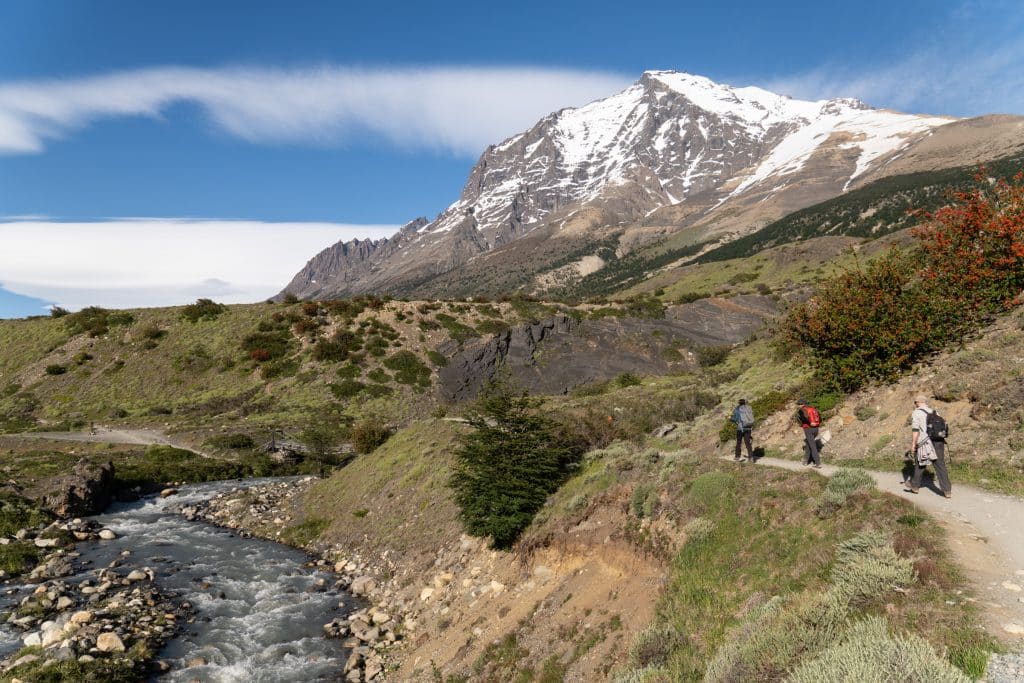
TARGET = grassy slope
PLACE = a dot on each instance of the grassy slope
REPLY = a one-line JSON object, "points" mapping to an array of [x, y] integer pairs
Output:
{"points": [[197, 375]]}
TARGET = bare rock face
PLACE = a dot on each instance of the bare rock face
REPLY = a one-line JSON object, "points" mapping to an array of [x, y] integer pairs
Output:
{"points": [[671, 147], [86, 490], [560, 353]]}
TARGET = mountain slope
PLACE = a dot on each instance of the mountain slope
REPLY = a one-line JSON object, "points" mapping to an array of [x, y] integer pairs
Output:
{"points": [[667, 152]]}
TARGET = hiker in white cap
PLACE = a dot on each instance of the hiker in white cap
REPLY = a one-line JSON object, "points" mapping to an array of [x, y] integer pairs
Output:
{"points": [[926, 450]]}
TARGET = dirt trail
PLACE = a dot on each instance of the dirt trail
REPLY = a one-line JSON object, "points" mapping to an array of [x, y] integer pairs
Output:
{"points": [[141, 437], [986, 536]]}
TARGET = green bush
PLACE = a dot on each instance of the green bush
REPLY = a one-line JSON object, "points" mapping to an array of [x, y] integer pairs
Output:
{"points": [[55, 369], [507, 465], [408, 369], [96, 321], [438, 359], [456, 330], [267, 344], [202, 309], [346, 388], [235, 442], [709, 356]]}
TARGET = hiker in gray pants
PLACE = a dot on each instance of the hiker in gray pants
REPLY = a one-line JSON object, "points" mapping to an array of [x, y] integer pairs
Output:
{"points": [[925, 450], [810, 435]]}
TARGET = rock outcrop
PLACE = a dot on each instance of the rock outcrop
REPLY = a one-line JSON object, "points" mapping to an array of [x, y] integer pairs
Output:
{"points": [[86, 490], [560, 353]]}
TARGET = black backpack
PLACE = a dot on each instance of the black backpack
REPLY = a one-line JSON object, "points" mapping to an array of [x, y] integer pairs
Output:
{"points": [[936, 427]]}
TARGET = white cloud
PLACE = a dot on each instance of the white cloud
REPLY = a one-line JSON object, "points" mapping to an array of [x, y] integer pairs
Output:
{"points": [[154, 262], [456, 109]]}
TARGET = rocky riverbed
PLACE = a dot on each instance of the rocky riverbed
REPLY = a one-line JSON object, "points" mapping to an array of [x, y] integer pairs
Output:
{"points": [[108, 620], [369, 634]]}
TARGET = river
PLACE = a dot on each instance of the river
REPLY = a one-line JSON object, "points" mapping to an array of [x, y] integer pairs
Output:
{"points": [[259, 613]]}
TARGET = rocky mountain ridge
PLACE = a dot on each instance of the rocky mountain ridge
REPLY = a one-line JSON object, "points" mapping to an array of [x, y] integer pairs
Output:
{"points": [[668, 152]]}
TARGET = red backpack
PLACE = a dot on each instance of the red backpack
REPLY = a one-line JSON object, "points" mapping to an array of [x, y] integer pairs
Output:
{"points": [[813, 416]]}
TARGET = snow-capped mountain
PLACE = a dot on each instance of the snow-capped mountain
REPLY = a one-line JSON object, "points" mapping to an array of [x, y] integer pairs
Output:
{"points": [[669, 140]]}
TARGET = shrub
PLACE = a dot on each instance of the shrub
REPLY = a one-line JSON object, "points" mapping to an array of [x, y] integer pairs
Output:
{"points": [[698, 529], [310, 308], [379, 376], [709, 356], [196, 359], [202, 309], [843, 484], [151, 332], [874, 322], [868, 652], [81, 358], [55, 369], [507, 465], [408, 369], [346, 388], [368, 434], [456, 330], [269, 343], [289, 299], [438, 359], [95, 321], [58, 312], [236, 442]]}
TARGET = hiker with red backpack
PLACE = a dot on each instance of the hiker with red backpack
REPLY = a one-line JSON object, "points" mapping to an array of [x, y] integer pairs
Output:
{"points": [[928, 446], [809, 419]]}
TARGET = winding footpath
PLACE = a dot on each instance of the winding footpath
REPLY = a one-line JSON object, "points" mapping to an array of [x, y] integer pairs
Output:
{"points": [[986, 536], [140, 437]]}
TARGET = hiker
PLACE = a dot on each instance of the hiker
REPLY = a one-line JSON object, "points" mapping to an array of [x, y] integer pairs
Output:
{"points": [[809, 419], [743, 418], [925, 449]]}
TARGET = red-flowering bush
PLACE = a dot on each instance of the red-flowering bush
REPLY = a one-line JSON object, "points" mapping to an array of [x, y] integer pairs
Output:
{"points": [[259, 355], [873, 322]]}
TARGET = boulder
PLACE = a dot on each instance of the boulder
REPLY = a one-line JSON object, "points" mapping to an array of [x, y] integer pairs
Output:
{"points": [[107, 535], [86, 490]]}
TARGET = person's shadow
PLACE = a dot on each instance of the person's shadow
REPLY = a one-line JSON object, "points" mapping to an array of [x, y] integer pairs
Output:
{"points": [[927, 479], [757, 454]]}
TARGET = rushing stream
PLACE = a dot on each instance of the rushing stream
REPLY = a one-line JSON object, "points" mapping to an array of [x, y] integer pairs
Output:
{"points": [[259, 613]]}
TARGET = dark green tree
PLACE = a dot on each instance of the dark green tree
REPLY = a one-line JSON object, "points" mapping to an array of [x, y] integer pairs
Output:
{"points": [[508, 465]]}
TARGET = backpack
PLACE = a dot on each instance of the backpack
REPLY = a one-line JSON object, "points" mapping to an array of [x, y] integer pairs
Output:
{"points": [[746, 414], [935, 426], [813, 416]]}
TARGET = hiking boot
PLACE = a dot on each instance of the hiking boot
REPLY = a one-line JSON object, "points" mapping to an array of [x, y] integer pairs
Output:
{"points": [[816, 466], [947, 494], [910, 489]]}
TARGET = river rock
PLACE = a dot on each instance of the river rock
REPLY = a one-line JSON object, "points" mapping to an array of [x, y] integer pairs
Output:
{"points": [[107, 535], [137, 575], [46, 542], [81, 617], [109, 642], [53, 635], [363, 585], [32, 639], [167, 493]]}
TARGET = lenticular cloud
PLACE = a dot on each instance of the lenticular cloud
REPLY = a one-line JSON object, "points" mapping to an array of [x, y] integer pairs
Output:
{"points": [[460, 110]]}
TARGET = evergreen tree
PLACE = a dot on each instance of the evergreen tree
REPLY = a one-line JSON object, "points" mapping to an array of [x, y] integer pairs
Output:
{"points": [[507, 465]]}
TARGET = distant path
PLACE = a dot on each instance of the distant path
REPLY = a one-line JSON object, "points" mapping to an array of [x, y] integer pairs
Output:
{"points": [[986, 536], [140, 437]]}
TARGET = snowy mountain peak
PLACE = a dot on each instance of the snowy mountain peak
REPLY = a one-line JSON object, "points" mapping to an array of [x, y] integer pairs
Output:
{"points": [[671, 138]]}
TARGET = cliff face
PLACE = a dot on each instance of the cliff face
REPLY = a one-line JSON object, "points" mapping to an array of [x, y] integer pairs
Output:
{"points": [[560, 353]]}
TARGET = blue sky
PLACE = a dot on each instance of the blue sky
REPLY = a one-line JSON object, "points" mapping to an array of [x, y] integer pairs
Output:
{"points": [[362, 117]]}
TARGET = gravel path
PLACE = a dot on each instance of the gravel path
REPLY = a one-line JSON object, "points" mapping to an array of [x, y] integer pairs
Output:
{"points": [[141, 437]]}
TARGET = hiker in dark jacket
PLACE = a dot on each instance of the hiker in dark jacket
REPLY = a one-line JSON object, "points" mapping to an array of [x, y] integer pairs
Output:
{"points": [[809, 420], [743, 418]]}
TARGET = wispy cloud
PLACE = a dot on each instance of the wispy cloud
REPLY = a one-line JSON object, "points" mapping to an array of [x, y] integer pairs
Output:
{"points": [[457, 109], [161, 262], [960, 73]]}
